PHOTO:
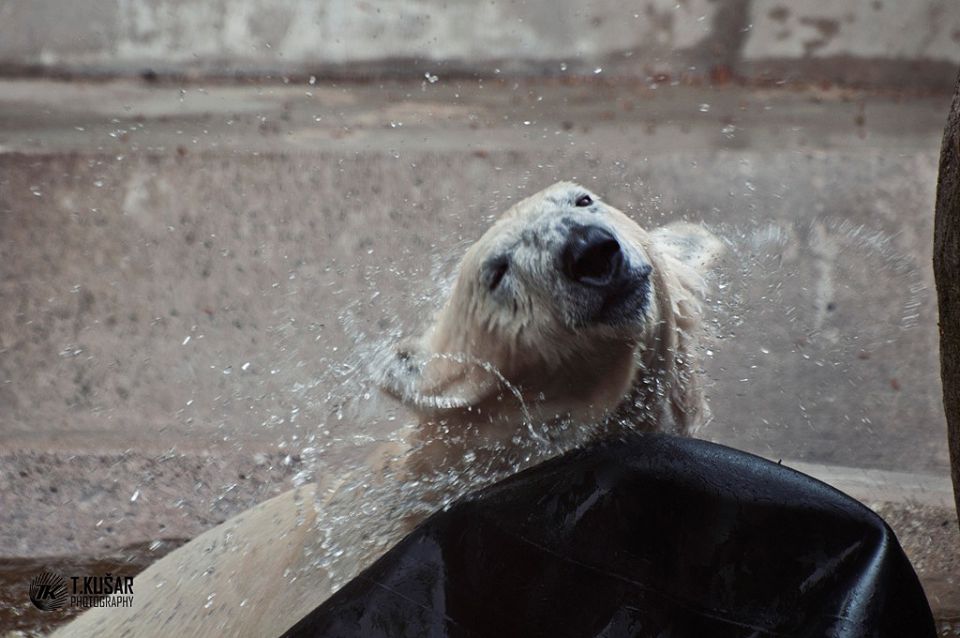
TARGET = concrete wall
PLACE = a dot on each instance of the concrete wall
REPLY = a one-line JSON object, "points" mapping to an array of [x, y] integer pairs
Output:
{"points": [[191, 280], [916, 42], [187, 269]]}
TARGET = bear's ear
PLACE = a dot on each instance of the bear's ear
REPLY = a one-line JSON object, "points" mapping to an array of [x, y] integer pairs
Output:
{"points": [[690, 244], [430, 382]]}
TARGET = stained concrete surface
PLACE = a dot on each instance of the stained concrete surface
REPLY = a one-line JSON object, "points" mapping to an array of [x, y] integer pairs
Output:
{"points": [[913, 43], [181, 261], [187, 273]]}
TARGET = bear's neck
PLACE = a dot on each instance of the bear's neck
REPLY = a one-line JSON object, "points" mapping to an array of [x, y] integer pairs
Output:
{"points": [[566, 405]]}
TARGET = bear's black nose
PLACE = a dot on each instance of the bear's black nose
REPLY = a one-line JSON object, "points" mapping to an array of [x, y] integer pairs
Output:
{"points": [[591, 256]]}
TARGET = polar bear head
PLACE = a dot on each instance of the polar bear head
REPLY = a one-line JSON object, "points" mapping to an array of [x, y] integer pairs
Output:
{"points": [[567, 308]]}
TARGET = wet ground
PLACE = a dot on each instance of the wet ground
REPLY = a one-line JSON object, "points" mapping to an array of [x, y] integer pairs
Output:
{"points": [[190, 277]]}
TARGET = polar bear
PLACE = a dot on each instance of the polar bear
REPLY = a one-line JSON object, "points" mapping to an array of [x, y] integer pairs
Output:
{"points": [[565, 314], [567, 322]]}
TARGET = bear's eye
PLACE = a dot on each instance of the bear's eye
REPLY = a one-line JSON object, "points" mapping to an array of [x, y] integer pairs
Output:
{"points": [[496, 271], [584, 200]]}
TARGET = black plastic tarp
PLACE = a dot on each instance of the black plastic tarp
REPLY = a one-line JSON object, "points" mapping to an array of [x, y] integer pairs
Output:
{"points": [[655, 536]]}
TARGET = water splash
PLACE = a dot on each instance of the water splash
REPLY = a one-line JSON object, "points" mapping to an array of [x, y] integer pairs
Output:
{"points": [[791, 278]]}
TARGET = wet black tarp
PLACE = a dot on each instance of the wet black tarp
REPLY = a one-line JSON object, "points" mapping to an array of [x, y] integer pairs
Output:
{"points": [[654, 536]]}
